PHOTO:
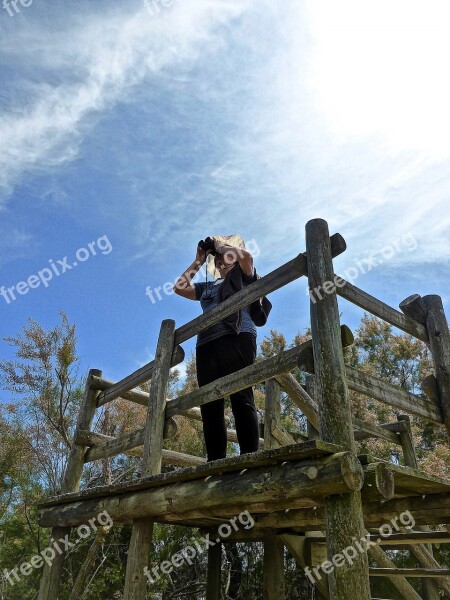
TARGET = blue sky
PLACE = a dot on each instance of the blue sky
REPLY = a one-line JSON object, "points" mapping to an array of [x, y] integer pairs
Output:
{"points": [[152, 125]]}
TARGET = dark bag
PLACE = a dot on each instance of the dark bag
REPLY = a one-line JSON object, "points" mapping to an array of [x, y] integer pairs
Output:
{"points": [[259, 309]]}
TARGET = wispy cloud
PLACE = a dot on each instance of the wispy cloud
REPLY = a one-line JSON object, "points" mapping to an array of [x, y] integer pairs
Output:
{"points": [[95, 64]]}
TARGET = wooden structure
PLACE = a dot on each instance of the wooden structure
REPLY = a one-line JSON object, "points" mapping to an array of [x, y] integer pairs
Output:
{"points": [[310, 493]]}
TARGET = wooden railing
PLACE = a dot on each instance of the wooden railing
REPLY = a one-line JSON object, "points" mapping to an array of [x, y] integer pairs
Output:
{"points": [[422, 318]]}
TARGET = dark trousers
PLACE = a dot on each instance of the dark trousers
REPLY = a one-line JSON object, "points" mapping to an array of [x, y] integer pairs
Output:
{"points": [[216, 358]]}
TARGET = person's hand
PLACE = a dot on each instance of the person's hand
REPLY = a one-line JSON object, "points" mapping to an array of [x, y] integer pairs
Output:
{"points": [[201, 256]]}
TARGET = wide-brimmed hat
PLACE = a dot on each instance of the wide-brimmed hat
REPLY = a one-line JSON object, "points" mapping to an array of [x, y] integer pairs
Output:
{"points": [[234, 240]]}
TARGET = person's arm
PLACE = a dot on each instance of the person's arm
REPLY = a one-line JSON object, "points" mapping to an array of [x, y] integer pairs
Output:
{"points": [[183, 286], [244, 257]]}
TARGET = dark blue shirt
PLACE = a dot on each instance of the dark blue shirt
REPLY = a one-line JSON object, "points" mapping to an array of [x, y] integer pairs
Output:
{"points": [[207, 293]]}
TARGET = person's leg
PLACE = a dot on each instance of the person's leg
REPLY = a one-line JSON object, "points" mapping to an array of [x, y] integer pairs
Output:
{"points": [[238, 352], [214, 427]]}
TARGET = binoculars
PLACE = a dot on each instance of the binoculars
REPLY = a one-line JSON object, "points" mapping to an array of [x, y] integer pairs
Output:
{"points": [[208, 244]]}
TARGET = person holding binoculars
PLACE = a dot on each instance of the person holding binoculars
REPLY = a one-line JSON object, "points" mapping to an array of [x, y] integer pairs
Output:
{"points": [[219, 352]]}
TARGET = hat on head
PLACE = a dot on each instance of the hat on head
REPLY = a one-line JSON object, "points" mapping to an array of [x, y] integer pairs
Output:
{"points": [[234, 240]]}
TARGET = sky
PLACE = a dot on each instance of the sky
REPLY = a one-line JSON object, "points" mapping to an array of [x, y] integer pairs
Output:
{"points": [[130, 131]]}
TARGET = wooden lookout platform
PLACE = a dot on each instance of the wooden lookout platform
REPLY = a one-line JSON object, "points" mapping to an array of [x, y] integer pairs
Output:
{"points": [[310, 492]]}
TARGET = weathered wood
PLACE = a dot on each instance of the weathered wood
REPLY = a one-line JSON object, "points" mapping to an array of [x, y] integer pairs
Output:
{"points": [[51, 576], [259, 371], [104, 446], [213, 583], [364, 300], [410, 459], [430, 388], [302, 451], [290, 271], [397, 580], [396, 572], [143, 374], [273, 571], [364, 430], [440, 349], [376, 388], [299, 395], [414, 307], [272, 410], [378, 482], [409, 452], [425, 510], [407, 538], [263, 487], [344, 513], [425, 556], [296, 546], [138, 553], [138, 557], [141, 398]]}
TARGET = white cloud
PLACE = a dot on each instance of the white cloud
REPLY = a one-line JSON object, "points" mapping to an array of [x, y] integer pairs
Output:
{"points": [[97, 62]]}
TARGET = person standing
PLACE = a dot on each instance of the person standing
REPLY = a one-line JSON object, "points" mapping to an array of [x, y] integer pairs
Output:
{"points": [[220, 352]]}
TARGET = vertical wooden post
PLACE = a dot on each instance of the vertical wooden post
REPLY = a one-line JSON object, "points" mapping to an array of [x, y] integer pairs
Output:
{"points": [[51, 576], [141, 537], [311, 388], [406, 439], [273, 570], [214, 571], [344, 515], [410, 459], [439, 337]]}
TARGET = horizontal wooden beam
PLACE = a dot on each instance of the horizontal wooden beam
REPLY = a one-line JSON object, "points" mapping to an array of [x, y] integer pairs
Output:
{"points": [[409, 538], [169, 457], [310, 409], [381, 390], [229, 384], [378, 308], [274, 280], [379, 572], [136, 378], [105, 446], [281, 486]]}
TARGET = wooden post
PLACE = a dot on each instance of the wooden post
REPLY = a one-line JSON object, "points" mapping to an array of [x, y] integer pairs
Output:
{"points": [[139, 550], [344, 514], [311, 389], [273, 571], [439, 337], [213, 581], [406, 439], [410, 458], [52, 575]]}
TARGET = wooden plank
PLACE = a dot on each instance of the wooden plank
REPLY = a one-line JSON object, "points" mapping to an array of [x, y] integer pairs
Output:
{"points": [[264, 488], [344, 519], [378, 308], [437, 327], [136, 378], [376, 388], [290, 271]]}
